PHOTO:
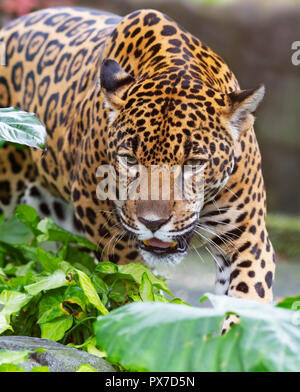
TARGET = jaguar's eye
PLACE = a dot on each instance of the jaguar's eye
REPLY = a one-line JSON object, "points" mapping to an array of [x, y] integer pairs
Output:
{"points": [[129, 159], [195, 162]]}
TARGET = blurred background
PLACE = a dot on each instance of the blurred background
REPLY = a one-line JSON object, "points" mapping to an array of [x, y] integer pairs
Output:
{"points": [[255, 38]]}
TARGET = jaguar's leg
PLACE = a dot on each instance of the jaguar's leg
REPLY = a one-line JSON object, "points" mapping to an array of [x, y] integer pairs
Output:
{"points": [[248, 272], [246, 267], [239, 240], [16, 172]]}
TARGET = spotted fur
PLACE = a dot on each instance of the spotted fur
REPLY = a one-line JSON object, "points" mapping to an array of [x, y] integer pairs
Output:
{"points": [[144, 86]]}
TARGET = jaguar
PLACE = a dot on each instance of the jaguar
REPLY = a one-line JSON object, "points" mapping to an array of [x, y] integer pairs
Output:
{"points": [[133, 91]]}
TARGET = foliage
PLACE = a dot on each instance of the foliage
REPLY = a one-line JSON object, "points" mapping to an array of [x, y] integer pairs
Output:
{"points": [[170, 337], [58, 295]]}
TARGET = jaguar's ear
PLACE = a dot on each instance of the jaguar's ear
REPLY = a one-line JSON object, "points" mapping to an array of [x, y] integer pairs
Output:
{"points": [[243, 104], [114, 82]]}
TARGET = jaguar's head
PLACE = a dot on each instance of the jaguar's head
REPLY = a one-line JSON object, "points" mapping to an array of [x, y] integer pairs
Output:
{"points": [[172, 143]]}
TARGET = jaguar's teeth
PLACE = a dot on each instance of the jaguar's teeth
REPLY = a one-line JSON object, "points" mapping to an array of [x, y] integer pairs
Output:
{"points": [[172, 244]]}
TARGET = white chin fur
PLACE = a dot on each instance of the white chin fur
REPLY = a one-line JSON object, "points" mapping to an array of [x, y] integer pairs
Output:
{"points": [[170, 259]]}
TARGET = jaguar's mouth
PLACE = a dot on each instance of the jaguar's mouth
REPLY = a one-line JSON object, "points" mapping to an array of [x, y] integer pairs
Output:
{"points": [[161, 248]]}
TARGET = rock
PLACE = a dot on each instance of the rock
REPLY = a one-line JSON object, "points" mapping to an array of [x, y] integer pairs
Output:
{"points": [[57, 357]]}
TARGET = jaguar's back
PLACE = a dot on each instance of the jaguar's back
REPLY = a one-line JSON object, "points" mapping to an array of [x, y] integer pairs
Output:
{"points": [[53, 58]]}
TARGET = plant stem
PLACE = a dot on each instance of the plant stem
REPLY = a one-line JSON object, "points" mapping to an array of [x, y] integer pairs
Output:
{"points": [[75, 326]]}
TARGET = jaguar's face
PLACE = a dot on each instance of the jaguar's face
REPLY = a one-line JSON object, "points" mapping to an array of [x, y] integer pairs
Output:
{"points": [[171, 152], [168, 161], [164, 197]]}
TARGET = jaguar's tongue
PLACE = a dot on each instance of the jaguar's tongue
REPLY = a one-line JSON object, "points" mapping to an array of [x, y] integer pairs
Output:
{"points": [[159, 244]]}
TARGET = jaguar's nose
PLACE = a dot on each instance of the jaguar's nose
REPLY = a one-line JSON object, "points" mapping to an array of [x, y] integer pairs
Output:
{"points": [[153, 225]]}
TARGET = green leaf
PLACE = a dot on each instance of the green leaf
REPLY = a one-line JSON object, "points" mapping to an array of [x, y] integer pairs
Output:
{"points": [[57, 279], [90, 292], [20, 127], [80, 259], [106, 267], [75, 295], [118, 293], [55, 330], [48, 261], [13, 357], [52, 232], [50, 307], [11, 368], [1, 219], [136, 271], [85, 367], [14, 232], [19, 282], [179, 301], [92, 349], [28, 215], [202, 299], [161, 298], [169, 337], [5, 323], [11, 302], [137, 298], [99, 284], [40, 369], [290, 303], [146, 292], [21, 270]]}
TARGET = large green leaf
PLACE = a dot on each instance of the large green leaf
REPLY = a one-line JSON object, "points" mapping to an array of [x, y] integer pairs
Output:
{"points": [[171, 337], [17, 126], [57, 279]]}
